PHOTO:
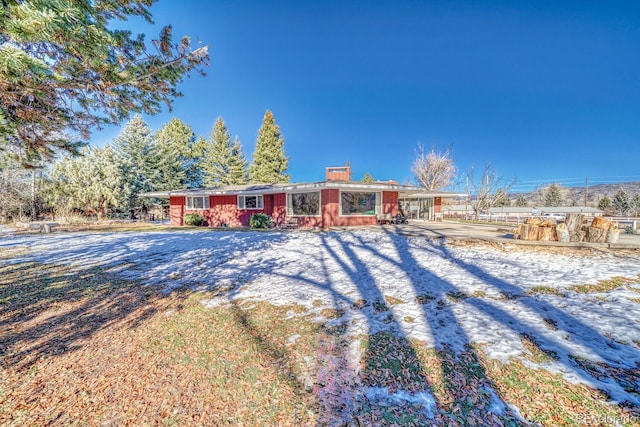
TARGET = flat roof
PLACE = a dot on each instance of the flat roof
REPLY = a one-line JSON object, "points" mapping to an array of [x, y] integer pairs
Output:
{"points": [[405, 191]]}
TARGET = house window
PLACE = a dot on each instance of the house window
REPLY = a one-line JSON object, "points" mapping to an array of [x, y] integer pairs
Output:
{"points": [[356, 203], [304, 203], [200, 202], [250, 202]]}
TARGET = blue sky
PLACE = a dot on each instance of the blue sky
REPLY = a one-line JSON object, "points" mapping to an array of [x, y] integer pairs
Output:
{"points": [[547, 91]]}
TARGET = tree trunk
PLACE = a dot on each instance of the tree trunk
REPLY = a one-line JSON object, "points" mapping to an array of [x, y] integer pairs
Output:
{"points": [[519, 231], [563, 233], [596, 235], [599, 222], [532, 232], [614, 235], [574, 225], [34, 216], [547, 234]]}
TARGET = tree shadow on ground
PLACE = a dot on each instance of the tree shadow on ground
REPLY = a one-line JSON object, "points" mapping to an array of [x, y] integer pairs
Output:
{"points": [[464, 393], [574, 329], [48, 310], [95, 299], [536, 335]]}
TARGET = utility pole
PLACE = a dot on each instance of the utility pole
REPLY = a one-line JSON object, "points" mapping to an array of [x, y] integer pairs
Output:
{"points": [[586, 191]]}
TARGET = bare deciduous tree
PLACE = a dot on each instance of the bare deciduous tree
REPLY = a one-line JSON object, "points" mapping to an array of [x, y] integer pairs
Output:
{"points": [[489, 190], [434, 171]]}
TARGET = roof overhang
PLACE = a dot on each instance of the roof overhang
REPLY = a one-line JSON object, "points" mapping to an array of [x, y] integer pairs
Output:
{"points": [[404, 191]]}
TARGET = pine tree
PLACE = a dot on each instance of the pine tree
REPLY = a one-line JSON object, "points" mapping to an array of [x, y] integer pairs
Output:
{"points": [[635, 204], [367, 178], [65, 69], [169, 173], [521, 201], [553, 196], [621, 202], [237, 164], [604, 203], [91, 182], [501, 199], [178, 156], [224, 163], [15, 188], [269, 160], [138, 161]]}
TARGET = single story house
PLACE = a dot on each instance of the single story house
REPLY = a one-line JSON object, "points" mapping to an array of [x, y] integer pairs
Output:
{"points": [[565, 210], [337, 201]]}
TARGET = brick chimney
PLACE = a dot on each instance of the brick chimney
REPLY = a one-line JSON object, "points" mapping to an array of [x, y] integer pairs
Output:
{"points": [[338, 173]]}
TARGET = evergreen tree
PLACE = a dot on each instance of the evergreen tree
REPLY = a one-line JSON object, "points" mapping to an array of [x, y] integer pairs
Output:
{"points": [[178, 156], [269, 160], [66, 69], [169, 173], [521, 201], [635, 204], [604, 203], [367, 178], [238, 164], [16, 190], [501, 199], [621, 202], [91, 182], [224, 163], [138, 161], [553, 196]]}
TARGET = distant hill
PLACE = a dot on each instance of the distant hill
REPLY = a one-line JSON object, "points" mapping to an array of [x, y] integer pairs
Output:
{"points": [[575, 196]]}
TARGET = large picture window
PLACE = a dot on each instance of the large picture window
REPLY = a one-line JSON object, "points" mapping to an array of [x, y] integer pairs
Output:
{"points": [[354, 203], [250, 202], [304, 203], [200, 202]]}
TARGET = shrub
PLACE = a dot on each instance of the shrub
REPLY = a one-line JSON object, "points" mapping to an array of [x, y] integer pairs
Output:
{"points": [[259, 221], [194, 219]]}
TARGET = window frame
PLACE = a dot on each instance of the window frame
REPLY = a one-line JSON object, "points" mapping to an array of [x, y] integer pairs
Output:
{"points": [[191, 206], [243, 205], [290, 203], [377, 207]]}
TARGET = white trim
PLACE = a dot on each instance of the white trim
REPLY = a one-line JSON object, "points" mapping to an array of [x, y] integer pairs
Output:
{"points": [[404, 191], [242, 202], [290, 207], [377, 208], [189, 205]]}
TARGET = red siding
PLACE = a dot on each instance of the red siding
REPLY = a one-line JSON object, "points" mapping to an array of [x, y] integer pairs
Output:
{"points": [[330, 205], [176, 209], [279, 208], [331, 212], [437, 204], [390, 202], [224, 210]]}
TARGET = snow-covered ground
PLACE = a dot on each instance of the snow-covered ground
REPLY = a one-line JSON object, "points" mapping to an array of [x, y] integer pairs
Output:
{"points": [[444, 295]]}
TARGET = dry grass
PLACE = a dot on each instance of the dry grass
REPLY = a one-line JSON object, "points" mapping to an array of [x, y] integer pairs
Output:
{"points": [[546, 290], [80, 348], [605, 285], [84, 349]]}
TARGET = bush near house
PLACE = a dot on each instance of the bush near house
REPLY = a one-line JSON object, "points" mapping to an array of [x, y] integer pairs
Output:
{"points": [[259, 221], [194, 219]]}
